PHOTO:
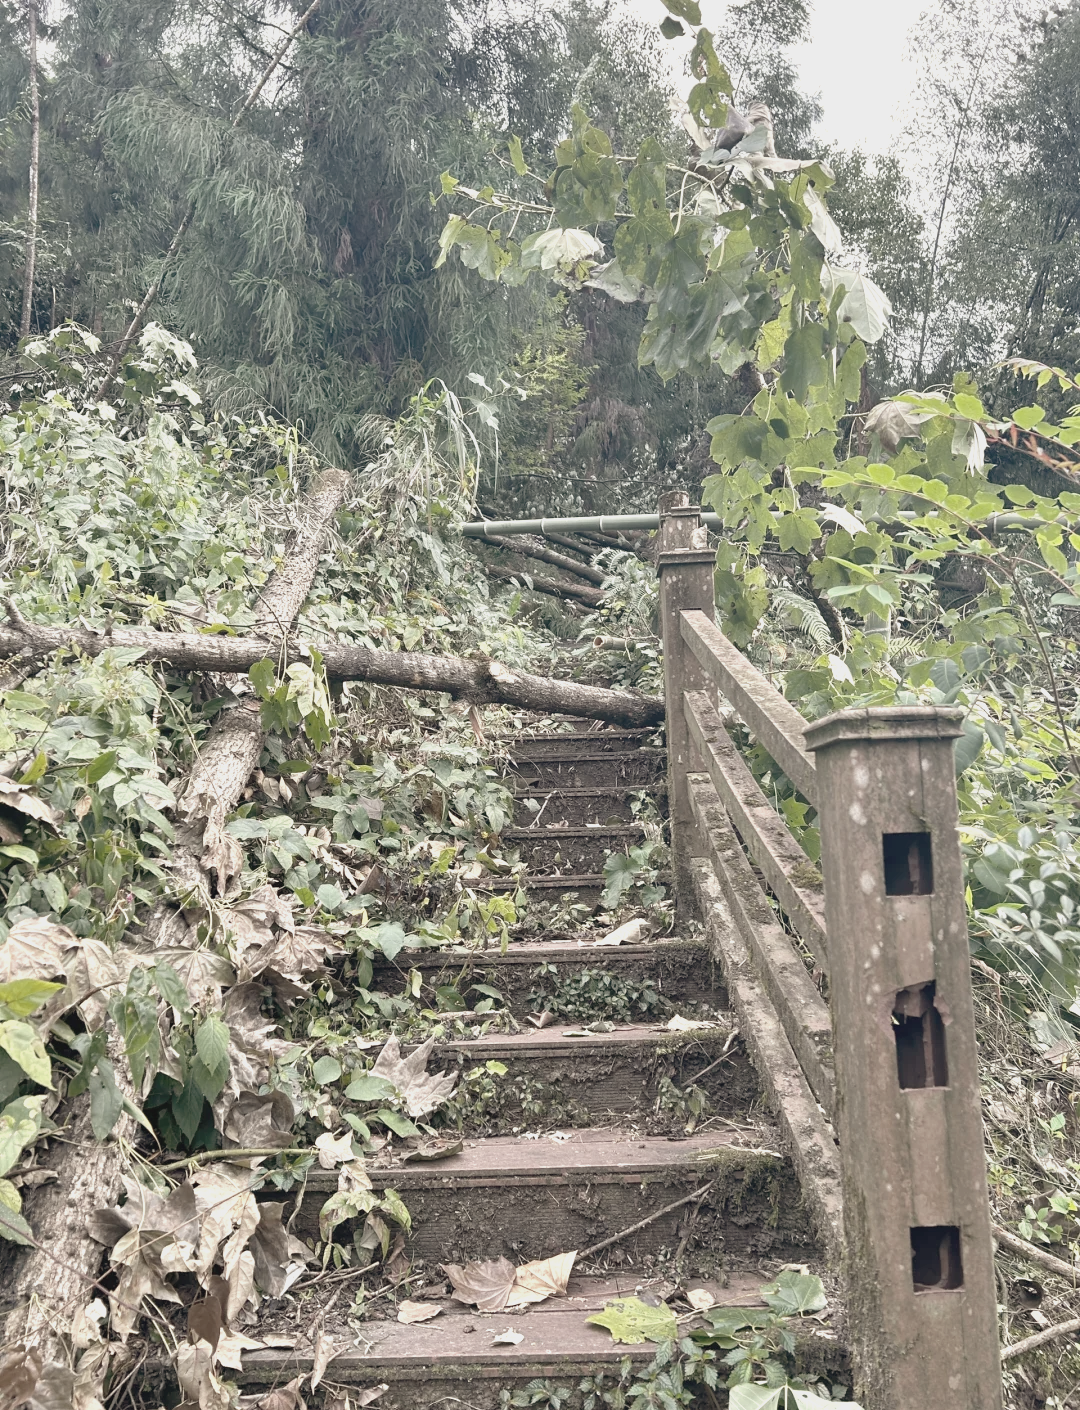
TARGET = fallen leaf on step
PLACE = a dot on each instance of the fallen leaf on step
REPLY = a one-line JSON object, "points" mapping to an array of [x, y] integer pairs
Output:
{"points": [[231, 1344], [433, 1150], [325, 1351], [507, 1338], [332, 1152], [412, 1312], [541, 1020], [629, 933], [700, 1299], [546, 1277], [486, 1283], [286, 1397], [678, 1024], [279, 1343], [602, 1025], [631, 1321], [420, 1091], [353, 1398]]}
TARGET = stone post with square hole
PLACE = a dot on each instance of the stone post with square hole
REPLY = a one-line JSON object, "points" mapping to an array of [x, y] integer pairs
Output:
{"points": [[685, 567], [920, 1269]]}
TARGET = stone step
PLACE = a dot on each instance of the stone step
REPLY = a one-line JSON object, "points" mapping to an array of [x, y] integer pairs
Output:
{"points": [[557, 1080], [580, 849], [584, 888], [682, 971], [591, 741], [643, 768], [579, 806], [451, 1361], [531, 1198]]}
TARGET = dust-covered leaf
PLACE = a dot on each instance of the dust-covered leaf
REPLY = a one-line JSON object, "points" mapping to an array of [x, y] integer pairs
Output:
{"points": [[420, 1091], [545, 1277], [412, 1312], [631, 1321], [508, 1338], [486, 1283], [325, 1351]]}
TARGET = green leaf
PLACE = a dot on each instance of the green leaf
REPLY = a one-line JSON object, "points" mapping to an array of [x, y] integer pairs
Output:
{"points": [[22, 996], [170, 986], [517, 157], [797, 531], [864, 305], [20, 1122], [805, 364], [263, 677], [390, 937], [369, 1089], [212, 1042], [631, 1321], [688, 10], [20, 854], [22, 1043], [793, 1293], [968, 747], [99, 767], [400, 1125], [36, 769], [329, 896], [12, 1225], [326, 1070], [106, 1099], [671, 28]]}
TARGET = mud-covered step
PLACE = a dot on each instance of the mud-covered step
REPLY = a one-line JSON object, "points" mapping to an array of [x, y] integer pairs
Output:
{"points": [[564, 1075], [584, 889], [579, 807], [578, 849], [682, 971], [531, 1198], [599, 741], [641, 768], [452, 1360]]}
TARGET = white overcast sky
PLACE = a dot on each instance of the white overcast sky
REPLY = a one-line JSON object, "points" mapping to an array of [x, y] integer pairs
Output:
{"points": [[855, 61]]}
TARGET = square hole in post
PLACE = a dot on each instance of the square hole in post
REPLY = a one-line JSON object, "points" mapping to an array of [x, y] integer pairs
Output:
{"points": [[909, 867], [920, 1038], [935, 1258]]}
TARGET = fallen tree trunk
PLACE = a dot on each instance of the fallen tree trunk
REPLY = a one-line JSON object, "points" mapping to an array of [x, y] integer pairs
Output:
{"points": [[546, 555], [52, 1280], [567, 542], [481, 682], [574, 592]]}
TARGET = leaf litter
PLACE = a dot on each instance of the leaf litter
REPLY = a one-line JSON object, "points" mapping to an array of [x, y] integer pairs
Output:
{"points": [[494, 1284]]}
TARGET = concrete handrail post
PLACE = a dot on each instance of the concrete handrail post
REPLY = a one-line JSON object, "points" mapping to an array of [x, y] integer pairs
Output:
{"points": [[685, 568], [919, 1257]]}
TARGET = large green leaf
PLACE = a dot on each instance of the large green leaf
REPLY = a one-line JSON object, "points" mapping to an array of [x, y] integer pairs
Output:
{"points": [[631, 1321], [20, 1122], [864, 305], [794, 1293], [22, 1043], [106, 1099], [22, 996], [212, 1041]]}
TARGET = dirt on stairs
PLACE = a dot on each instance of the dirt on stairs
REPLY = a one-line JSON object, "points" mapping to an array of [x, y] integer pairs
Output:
{"points": [[594, 1129]]}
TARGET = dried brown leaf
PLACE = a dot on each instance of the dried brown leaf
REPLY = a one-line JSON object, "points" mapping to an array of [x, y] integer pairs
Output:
{"points": [[55, 1389], [325, 1351], [700, 1299], [269, 1246], [17, 796], [541, 1020], [19, 1372], [487, 1284], [420, 1091], [507, 1338], [205, 1321], [546, 1277], [332, 1152], [412, 1312], [286, 1397], [255, 1121], [34, 950]]}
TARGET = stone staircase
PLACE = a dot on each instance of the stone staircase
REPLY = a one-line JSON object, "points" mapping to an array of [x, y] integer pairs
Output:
{"points": [[592, 1131]]}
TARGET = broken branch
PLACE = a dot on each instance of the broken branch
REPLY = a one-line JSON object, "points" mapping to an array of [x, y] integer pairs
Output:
{"points": [[591, 596], [697, 1194], [481, 682], [1063, 1329], [546, 555], [1036, 1255]]}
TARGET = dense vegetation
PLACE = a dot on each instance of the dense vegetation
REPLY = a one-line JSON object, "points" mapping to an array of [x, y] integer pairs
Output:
{"points": [[470, 258]]}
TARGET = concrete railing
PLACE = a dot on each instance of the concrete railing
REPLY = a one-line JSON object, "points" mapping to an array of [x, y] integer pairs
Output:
{"points": [[876, 1090]]}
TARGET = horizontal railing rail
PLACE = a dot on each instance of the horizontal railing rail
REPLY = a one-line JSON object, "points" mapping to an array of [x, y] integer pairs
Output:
{"points": [[772, 719]]}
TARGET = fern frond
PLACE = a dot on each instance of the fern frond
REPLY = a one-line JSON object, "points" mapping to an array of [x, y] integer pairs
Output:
{"points": [[803, 616]]}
